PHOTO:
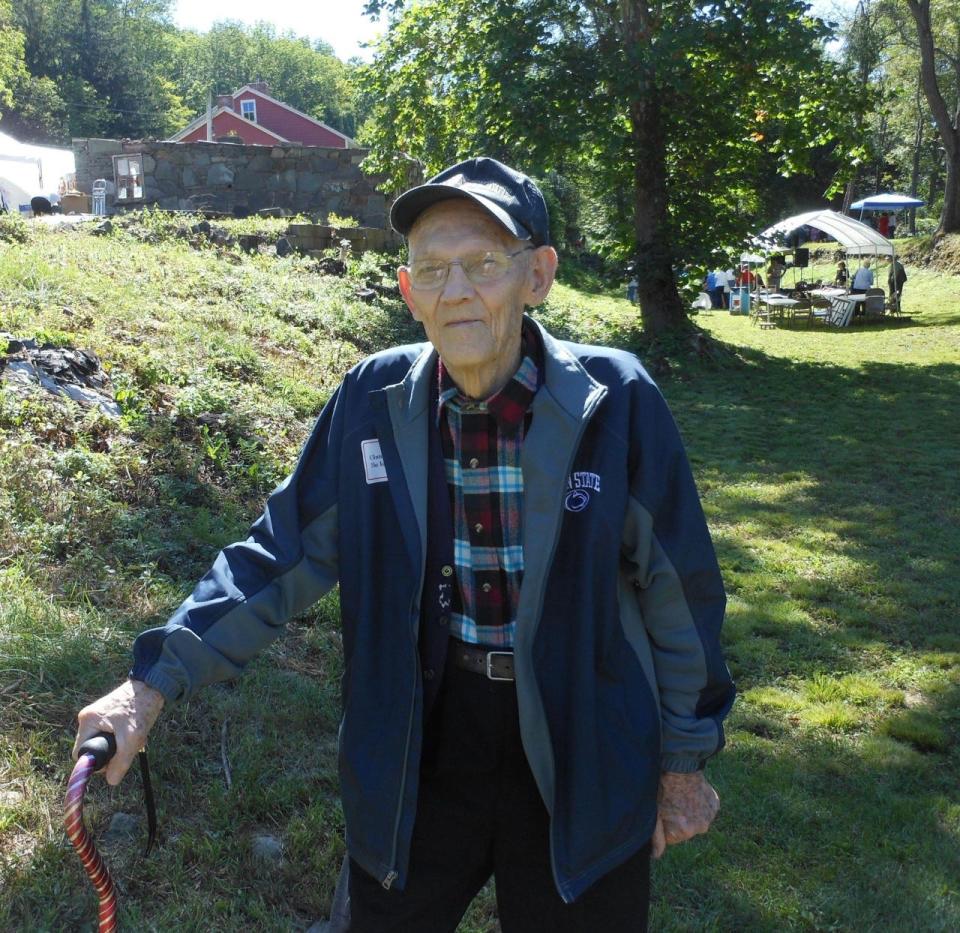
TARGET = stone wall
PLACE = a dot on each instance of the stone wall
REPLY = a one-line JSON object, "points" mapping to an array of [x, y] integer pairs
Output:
{"points": [[94, 159], [230, 177]]}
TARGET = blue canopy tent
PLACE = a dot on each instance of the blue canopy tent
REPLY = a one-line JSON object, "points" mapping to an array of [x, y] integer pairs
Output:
{"points": [[886, 202]]}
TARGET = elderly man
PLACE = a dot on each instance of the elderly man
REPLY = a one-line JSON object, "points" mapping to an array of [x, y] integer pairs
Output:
{"points": [[530, 601]]}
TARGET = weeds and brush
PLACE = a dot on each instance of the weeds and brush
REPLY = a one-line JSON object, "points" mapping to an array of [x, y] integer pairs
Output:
{"points": [[13, 228], [829, 472]]}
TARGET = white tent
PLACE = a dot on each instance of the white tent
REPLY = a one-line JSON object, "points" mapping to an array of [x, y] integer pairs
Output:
{"points": [[856, 238], [27, 170]]}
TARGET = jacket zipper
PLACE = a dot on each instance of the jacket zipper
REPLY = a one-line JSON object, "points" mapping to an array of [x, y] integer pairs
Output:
{"points": [[392, 875]]}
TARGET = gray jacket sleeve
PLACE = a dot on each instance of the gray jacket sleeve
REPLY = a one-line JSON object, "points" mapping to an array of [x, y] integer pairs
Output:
{"points": [[679, 590]]}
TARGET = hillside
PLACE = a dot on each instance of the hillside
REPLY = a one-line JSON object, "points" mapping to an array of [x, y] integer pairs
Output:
{"points": [[829, 466]]}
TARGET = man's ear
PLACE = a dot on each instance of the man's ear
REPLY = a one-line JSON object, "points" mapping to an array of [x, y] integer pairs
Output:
{"points": [[406, 289], [540, 274]]}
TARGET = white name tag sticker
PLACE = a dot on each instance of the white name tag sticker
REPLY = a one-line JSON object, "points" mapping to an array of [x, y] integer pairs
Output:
{"points": [[373, 465]]}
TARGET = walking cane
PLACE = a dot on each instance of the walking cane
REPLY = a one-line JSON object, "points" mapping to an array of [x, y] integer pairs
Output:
{"points": [[92, 755]]}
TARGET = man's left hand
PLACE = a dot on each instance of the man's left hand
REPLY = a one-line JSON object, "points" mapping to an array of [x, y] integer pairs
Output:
{"points": [[687, 805]]}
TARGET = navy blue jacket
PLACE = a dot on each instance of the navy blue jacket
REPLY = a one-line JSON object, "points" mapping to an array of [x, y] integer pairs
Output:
{"points": [[618, 662]]}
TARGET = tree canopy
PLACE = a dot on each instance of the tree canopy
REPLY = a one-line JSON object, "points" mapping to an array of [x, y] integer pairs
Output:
{"points": [[680, 120], [121, 68]]}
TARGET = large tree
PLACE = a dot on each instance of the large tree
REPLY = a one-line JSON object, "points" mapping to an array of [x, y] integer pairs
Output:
{"points": [[102, 64], [940, 66], [675, 111]]}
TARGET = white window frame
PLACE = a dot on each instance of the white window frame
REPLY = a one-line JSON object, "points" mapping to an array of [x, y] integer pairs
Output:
{"points": [[248, 113], [128, 176]]}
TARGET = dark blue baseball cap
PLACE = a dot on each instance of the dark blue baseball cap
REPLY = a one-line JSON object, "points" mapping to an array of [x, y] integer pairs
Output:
{"points": [[510, 197]]}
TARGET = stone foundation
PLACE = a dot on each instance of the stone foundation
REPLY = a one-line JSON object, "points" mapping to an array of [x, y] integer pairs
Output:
{"points": [[236, 178]]}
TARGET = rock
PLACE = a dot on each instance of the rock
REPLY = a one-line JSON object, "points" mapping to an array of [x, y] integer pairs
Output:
{"points": [[275, 212], [365, 294], [123, 826], [202, 227], [10, 798], [17, 346], [219, 175], [330, 266], [284, 247], [103, 229], [267, 848], [222, 238], [250, 242], [62, 371]]}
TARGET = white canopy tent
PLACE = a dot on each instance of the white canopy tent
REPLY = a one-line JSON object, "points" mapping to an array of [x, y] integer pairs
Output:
{"points": [[856, 238], [27, 170]]}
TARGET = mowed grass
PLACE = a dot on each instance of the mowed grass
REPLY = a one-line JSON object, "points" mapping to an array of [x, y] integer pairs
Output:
{"points": [[828, 462]]}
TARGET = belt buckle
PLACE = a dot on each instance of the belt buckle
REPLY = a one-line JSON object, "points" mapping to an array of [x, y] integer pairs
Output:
{"points": [[490, 654]]}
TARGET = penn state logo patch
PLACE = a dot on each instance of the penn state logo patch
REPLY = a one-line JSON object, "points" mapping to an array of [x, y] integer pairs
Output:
{"points": [[580, 485]]}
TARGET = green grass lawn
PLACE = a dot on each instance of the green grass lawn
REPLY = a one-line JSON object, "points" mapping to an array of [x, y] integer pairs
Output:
{"points": [[829, 464]]}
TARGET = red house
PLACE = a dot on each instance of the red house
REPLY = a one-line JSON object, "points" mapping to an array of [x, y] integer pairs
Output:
{"points": [[261, 120]]}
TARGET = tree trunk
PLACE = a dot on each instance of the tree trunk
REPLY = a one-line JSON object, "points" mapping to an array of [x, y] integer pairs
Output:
{"points": [[848, 193], [936, 158], [950, 215], [660, 306], [917, 148], [946, 124]]}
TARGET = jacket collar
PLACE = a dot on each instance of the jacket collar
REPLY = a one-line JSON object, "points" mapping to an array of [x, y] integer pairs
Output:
{"points": [[574, 389]]}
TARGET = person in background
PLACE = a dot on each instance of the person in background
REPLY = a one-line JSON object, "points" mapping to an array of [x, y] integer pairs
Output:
{"points": [[892, 226], [747, 277], [863, 277], [842, 276], [895, 281], [632, 287], [775, 271], [721, 285], [728, 281]]}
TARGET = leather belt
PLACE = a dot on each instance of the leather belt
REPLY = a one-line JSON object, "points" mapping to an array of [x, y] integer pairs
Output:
{"points": [[493, 664]]}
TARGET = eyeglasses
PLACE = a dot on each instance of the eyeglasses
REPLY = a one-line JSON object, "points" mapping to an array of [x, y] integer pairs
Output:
{"points": [[480, 268]]}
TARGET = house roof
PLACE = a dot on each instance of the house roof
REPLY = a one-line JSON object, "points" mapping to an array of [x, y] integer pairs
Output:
{"points": [[299, 113], [196, 124], [249, 88]]}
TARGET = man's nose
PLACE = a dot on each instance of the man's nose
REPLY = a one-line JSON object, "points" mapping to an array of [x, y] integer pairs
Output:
{"points": [[457, 286]]}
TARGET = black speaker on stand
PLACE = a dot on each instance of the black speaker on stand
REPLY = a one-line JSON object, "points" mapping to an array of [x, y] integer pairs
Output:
{"points": [[801, 257]]}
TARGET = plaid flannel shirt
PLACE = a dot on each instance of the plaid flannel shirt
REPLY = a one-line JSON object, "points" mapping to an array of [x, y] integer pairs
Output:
{"points": [[481, 443]]}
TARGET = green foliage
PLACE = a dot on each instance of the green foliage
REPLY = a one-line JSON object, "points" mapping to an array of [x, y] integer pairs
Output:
{"points": [[737, 94], [343, 222], [11, 55], [115, 69], [13, 228]]}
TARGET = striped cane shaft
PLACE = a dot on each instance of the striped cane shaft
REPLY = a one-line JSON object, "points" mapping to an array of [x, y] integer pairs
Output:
{"points": [[77, 833]]}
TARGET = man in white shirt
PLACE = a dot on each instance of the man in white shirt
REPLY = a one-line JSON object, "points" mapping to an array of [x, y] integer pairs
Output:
{"points": [[721, 284], [863, 277]]}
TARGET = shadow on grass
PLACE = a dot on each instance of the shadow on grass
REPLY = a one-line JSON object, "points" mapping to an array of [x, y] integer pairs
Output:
{"points": [[818, 834], [868, 457]]}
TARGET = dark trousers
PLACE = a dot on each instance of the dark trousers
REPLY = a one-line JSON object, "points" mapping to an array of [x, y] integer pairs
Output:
{"points": [[480, 814]]}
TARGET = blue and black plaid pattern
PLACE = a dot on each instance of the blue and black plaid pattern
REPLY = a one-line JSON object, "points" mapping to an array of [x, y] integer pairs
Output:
{"points": [[481, 448]]}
